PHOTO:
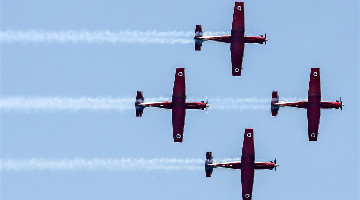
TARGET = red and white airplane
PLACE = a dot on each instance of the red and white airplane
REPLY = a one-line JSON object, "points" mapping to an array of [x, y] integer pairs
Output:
{"points": [[178, 105], [237, 39], [313, 104], [247, 165]]}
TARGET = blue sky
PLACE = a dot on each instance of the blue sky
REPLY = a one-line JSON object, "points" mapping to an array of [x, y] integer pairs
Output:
{"points": [[302, 34]]}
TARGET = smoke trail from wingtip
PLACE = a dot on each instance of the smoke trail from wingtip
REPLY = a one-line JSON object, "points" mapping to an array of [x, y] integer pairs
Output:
{"points": [[99, 37], [80, 164]]}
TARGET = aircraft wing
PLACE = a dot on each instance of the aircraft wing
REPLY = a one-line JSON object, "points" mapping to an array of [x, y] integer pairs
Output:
{"points": [[313, 115], [237, 38], [247, 164], [238, 17], [178, 105], [314, 84], [314, 101], [237, 53]]}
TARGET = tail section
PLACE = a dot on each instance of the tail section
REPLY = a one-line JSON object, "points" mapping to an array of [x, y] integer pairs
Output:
{"points": [[274, 100], [139, 108], [198, 33], [209, 160]]}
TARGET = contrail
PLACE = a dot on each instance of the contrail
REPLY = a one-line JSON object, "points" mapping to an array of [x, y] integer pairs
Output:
{"points": [[100, 37], [20, 103], [121, 164]]}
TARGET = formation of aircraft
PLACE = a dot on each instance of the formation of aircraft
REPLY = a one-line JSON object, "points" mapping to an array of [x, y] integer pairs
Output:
{"points": [[237, 39], [247, 164], [313, 104], [178, 105]]}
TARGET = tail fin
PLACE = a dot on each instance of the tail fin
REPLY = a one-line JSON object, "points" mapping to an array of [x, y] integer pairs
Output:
{"points": [[139, 100], [198, 33], [274, 100], [209, 160]]}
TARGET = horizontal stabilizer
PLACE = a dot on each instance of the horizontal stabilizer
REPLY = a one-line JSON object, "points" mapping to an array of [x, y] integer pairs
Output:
{"points": [[139, 97], [139, 108], [208, 168], [209, 156], [198, 44], [274, 100], [198, 33]]}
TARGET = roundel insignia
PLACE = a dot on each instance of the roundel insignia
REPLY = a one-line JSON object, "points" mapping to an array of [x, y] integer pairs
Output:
{"points": [[180, 74], [315, 73], [248, 134], [237, 69], [239, 8], [312, 135], [247, 195]]}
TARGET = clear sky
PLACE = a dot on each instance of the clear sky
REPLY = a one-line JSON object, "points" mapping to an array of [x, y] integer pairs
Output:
{"points": [[303, 34]]}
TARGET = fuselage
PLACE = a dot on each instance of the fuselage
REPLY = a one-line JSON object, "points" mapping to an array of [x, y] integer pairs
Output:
{"points": [[169, 105], [237, 36], [305, 104], [255, 39], [238, 165]]}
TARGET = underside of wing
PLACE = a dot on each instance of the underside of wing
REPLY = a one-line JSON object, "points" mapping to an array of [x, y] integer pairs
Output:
{"points": [[248, 149], [178, 121], [313, 115], [237, 39], [247, 164], [247, 181], [314, 84], [314, 101], [179, 91], [237, 53], [238, 17], [178, 105]]}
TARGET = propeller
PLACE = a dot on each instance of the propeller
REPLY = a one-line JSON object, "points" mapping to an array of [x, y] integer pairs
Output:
{"points": [[341, 104], [266, 39], [207, 105], [275, 164]]}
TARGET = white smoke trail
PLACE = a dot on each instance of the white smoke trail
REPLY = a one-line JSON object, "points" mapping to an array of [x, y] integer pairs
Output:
{"points": [[70, 104], [231, 103], [239, 103], [239, 107], [122, 164], [20, 103], [99, 37]]}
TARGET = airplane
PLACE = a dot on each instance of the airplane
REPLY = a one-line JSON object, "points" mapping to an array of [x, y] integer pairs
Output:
{"points": [[247, 164], [237, 39], [178, 105], [313, 104]]}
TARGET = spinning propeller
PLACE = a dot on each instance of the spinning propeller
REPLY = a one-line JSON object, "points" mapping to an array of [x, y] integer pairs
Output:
{"points": [[341, 103], [207, 105], [266, 39], [275, 165]]}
